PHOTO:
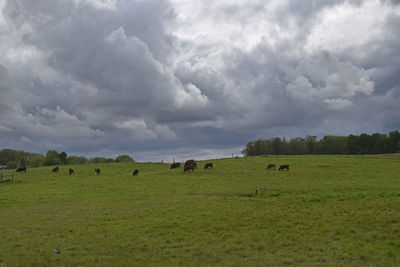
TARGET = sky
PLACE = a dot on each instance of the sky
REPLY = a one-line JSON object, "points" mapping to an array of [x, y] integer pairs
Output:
{"points": [[178, 79]]}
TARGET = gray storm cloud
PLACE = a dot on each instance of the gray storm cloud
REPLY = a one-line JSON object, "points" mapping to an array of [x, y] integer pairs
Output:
{"points": [[146, 76]]}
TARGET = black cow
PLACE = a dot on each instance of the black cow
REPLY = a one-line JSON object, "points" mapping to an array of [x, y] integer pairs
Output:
{"points": [[21, 169], [135, 172], [97, 170], [283, 167], [71, 171], [175, 165], [56, 169], [208, 165]]}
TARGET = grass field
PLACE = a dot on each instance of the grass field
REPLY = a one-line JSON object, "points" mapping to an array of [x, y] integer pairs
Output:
{"points": [[327, 210]]}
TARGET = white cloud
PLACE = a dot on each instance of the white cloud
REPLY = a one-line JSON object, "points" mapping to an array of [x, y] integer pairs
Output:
{"points": [[348, 25], [325, 78]]}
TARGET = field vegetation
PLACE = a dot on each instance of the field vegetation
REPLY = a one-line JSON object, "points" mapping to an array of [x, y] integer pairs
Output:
{"points": [[326, 210]]}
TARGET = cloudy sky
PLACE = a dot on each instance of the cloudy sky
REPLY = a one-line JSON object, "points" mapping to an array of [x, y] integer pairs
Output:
{"points": [[159, 79]]}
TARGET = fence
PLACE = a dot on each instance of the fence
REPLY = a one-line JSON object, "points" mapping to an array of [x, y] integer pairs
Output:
{"points": [[2, 175]]}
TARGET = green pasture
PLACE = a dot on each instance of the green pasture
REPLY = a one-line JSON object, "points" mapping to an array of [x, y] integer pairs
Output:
{"points": [[326, 210]]}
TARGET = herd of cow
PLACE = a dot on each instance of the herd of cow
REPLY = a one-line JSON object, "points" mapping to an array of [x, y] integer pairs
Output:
{"points": [[188, 165]]}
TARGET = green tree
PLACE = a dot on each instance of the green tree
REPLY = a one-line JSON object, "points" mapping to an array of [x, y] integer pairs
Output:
{"points": [[124, 158], [277, 146], [52, 158], [77, 160], [297, 146], [311, 144], [394, 142], [98, 160], [63, 157], [37, 161], [12, 165], [22, 163], [352, 145]]}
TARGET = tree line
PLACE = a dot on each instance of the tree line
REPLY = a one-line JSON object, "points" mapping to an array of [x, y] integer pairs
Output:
{"points": [[12, 159], [329, 145]]}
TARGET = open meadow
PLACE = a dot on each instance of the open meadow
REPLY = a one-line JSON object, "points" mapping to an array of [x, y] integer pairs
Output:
{"points": [[326, 210]]}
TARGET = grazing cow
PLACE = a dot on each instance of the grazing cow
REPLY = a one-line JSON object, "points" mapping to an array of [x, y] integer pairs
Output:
{"points": [[191, 162], [135, 172], [209, 164], [175, 165], [97, 170], [189, 167], [270, 166], [56, 169], [71, 171], [282, 167], [21, 169]]}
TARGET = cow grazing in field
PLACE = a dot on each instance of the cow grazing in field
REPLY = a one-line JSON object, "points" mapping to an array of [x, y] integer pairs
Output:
{"points": [[271, 165], [283, 167], [97, 170], [208, 165], [191, 162], [71, 171], [135, 172], [175, 165], [189, 167], [55, 169], [21, 169]]}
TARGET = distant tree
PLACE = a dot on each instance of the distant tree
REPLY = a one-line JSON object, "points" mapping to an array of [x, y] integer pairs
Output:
{"points": [[248, 151], [63, 157], [22, 163], [98, 160], [333, 145], [12, 165], [37, 161], [311, 146], [379, 143], [394, 142], [52, 158], [124, 158], [277, 146], [297, 146], [16, 156], [77, 160]]}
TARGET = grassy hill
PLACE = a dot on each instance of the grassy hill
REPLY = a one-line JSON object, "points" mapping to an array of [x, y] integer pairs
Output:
{"points": [[337, 210]]}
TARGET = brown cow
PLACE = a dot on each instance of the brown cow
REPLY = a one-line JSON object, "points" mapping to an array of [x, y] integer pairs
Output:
{"points": [[175, 165], [188, 167], [209, 164], [97, 170], [282, 167], [190, 162], [271, 165], [55, 169], [71, 171]]}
